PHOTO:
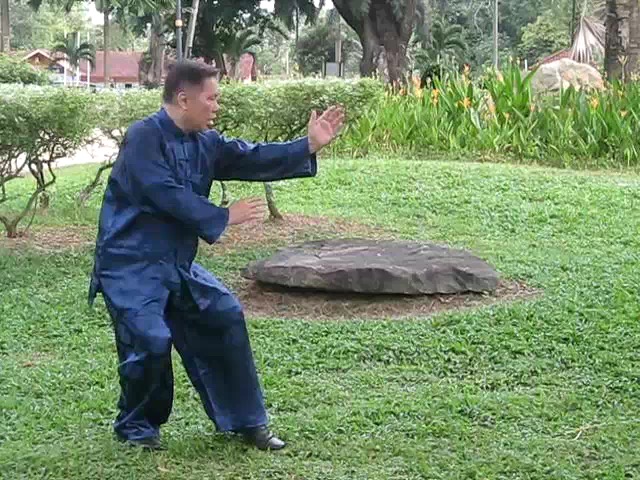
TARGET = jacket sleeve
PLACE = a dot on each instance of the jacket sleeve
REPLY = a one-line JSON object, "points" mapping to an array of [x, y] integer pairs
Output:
{"points": [[234, 159], [153, 183]]}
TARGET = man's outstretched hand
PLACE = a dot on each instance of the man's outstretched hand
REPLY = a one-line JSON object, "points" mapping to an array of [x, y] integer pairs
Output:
{"points": [[322, 130], [247, 210]]}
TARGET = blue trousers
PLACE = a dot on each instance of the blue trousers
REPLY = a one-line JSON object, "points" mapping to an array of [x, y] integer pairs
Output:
{"points": [[215, 351]]}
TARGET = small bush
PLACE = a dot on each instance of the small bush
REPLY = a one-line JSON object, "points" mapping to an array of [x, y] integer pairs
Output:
{"points": [[15, 70], [37, 127]]}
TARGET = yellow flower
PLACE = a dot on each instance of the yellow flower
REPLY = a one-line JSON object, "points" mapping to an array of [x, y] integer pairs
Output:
{"points": [[507, 115], [595, 103], [492, 106], [532, 108], [435, 96], [419, 93], [467, 69], [624, 113], [466, 103]]}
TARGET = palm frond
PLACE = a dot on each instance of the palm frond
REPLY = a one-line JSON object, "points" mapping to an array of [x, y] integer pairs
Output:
{"points": [[589, 40]]}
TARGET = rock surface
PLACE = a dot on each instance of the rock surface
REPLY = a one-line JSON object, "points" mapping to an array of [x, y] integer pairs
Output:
{"points": [[562, 74], [375, 267]]}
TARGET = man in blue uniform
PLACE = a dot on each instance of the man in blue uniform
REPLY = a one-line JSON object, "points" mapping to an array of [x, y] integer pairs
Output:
{"points": [[154, 210]]}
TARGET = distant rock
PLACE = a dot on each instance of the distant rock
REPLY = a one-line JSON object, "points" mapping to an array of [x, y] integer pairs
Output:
{"points": [[561, 74]]}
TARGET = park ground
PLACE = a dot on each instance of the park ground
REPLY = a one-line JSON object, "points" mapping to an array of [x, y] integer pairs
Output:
{"points": [[539, 386]]}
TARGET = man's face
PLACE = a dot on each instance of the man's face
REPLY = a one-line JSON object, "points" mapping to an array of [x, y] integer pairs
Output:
{"points": [[200, 104]]}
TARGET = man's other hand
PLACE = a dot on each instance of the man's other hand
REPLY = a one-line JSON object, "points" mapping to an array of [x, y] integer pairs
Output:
{"points": [[322, 130], [247, 210]]}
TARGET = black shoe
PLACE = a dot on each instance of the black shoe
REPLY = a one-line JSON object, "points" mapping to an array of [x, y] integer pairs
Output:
{"points": [[147, 443], [263, 438]]}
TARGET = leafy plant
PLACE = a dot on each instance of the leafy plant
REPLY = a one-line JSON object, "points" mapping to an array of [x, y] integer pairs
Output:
{"points": [[500, 115], [15, 70], [38, 127]]}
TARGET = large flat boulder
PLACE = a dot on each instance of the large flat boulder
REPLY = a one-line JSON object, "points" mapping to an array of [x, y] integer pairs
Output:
{"points": [[565, 73], [375, 267]]}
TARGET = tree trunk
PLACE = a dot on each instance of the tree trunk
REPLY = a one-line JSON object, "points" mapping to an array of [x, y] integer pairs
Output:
{"points": [[633, 48], [191, 29], [297, 25], [622, 43], [86, 192], [224, 200], [371, 51], [156, 49], [106, 48], [613, 42], [381, 27], [5, 26], [220, 63], [274, 213], [11, 228]]}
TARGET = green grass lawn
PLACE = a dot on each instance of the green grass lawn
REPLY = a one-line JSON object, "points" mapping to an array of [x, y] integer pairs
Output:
{"points": [[545, 389]]}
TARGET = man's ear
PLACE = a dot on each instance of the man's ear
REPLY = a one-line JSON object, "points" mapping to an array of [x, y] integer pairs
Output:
{"points": [[181, 99]]}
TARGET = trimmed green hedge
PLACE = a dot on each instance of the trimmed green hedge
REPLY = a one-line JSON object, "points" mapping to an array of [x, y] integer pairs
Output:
{"points": [[257, 112], [39, 125]]}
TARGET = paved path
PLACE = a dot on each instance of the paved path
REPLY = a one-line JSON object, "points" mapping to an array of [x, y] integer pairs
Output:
{"points": [[96, 152]]}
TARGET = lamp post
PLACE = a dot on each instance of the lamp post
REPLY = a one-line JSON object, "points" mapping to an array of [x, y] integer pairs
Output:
{"points": [[573, 22], [179, 29], [495, 35]]}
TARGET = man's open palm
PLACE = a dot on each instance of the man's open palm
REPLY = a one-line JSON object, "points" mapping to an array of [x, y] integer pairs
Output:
{"points": [[323, 129]]}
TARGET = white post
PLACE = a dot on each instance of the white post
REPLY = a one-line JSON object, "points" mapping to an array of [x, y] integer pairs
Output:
{"points": [[495, 35], [88, 66], [78, 66]]}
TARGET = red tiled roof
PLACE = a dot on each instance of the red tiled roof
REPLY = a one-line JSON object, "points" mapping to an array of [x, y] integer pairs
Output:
{"points": [[123, 67], [555, 56]]}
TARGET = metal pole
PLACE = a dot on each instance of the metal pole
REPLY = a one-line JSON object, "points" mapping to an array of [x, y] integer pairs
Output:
{"points": [[88, 65], [179, 29], [495, 36], [573, 23]]}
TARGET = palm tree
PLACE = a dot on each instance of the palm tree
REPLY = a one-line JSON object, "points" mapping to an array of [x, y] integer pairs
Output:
{"points": [[69, 49], [589, 38], [289, 12], [241, 43], [445, 41]]}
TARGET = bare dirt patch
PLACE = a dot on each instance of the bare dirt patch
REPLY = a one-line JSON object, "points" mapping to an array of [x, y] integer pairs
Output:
{"points": [[293, 229], [51, 239], [262, 300]]}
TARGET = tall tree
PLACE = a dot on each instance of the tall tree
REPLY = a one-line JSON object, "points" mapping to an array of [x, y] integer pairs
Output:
{"points": [[318, 44], [384, 28], [290, 11], [5, 26]]}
